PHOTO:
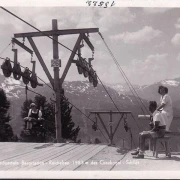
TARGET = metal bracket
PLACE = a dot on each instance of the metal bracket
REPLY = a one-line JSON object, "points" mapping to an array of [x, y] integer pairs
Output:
{"points": [[55, 63]]}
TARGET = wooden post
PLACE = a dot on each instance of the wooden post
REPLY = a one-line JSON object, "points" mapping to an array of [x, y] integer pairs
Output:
{"points": [[123, 143], [98, 115], [131, 137], [110, 128], [57, 87]]}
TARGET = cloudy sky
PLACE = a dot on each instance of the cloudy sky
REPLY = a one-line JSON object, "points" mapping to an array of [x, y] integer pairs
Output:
{"points": [[145, 41]]}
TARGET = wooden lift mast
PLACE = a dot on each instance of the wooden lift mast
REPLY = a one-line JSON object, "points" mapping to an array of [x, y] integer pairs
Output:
{"points": [[56, 63]]}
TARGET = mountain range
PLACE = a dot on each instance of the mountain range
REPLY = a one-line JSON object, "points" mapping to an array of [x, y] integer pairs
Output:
{"points": [[86, 98]]}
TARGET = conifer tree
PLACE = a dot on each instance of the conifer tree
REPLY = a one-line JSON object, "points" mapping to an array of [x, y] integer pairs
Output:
{"points": [[48, 110], [6, 132], [68, 130]]}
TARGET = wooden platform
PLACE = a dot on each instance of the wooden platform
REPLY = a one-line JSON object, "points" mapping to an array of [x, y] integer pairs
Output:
{"points": [[79, 157]]}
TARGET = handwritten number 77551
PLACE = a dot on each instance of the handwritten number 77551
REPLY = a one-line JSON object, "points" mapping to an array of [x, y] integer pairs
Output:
{"points": [[100, 3]]}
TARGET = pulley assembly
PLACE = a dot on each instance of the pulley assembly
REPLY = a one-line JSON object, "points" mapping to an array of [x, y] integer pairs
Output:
{"points": [[6, 68], [16, 68], [79, 65], [33, 77], [27, 75], [85, 67]]}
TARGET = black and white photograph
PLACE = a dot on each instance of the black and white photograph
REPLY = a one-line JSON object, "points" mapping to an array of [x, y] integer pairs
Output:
{"points": [[90, 89]]}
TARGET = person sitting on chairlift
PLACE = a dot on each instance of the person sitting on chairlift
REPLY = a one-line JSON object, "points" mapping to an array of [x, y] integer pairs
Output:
{"points": [[33, 115]]}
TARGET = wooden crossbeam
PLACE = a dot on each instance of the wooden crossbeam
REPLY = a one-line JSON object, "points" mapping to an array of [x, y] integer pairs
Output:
{"points": [[41, 61], [113, 112], [172, 133], [70, 60], [88, 42], [57, 32], [103, 125], [122, 115], [111, 133], [22, 45]]}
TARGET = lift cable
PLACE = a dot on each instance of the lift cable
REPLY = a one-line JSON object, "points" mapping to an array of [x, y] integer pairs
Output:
{"points": [[36, 29], [5, 49], [89, 119], [52, 89], [122, 72], [53, 40], [51, 37], [76, 109]]}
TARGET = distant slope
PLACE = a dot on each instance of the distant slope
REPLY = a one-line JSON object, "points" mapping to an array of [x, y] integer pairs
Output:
{"points": [[87, 98], [80, 93]]}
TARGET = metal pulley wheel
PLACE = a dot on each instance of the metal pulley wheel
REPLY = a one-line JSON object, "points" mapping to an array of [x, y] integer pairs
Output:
{"points": [[16, 68], [90, 77], [85, 68], [33, 80], [126, 127], [6, 68], [95, 81], [26, 76], [79, 66], [17, 71], [94, 126]]}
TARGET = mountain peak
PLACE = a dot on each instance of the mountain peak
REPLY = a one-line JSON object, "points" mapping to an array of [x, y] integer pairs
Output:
{"points": [[171, 82]]}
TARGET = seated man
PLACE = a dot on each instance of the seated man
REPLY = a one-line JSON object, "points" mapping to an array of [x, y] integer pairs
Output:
{"points": [[158, 130], [33, 115]]}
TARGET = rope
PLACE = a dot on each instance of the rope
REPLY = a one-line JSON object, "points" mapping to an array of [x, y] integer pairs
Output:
{"points": [[136, 122], [58, 43], [36, 29], [77, 109], [89, 119], [5, 48], [108, 94], [69, 102], [123, 74], [34, 92]]}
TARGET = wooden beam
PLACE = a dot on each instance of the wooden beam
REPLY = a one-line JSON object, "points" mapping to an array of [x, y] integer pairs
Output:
{"points": [[113, 112], [172, 133], [74, 61], [57, 32], [41, 61], [110, 128], [70, 59], [122, 115], [22, 45], [88, 42], [103, 125]]}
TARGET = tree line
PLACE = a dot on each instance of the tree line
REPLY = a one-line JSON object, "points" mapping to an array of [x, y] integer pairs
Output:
{"points": [[69, 131]]}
